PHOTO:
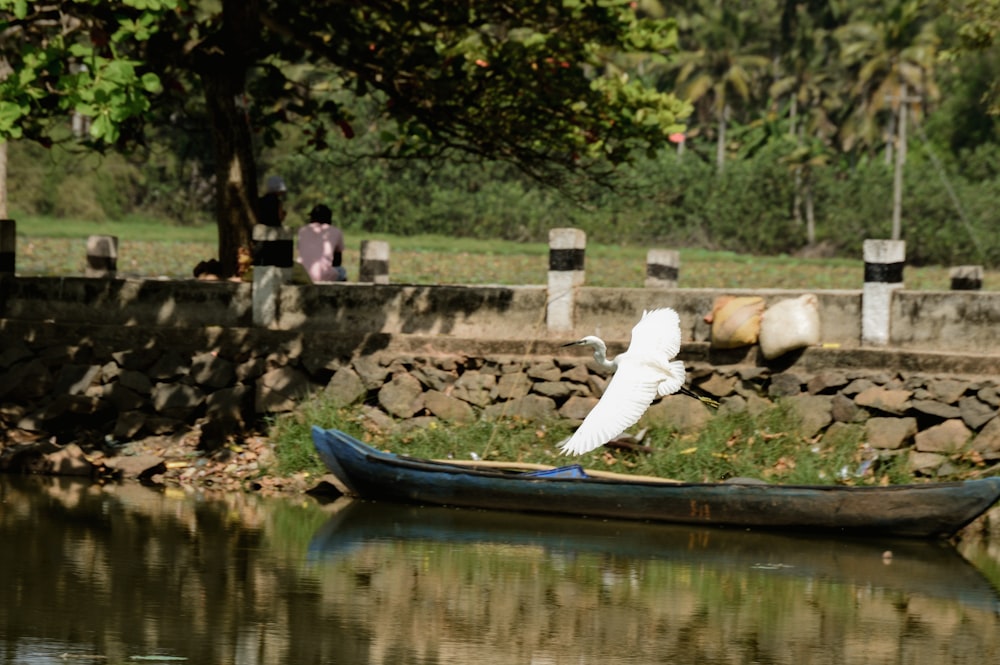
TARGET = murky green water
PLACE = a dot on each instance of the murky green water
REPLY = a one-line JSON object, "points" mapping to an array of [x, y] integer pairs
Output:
{"points": [[125, 574]]}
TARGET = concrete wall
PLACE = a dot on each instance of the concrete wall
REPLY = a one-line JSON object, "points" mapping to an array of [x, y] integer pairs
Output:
{"points": [[952, 321], [518, 312], [126, 302], [946, 321], [501, 312]]}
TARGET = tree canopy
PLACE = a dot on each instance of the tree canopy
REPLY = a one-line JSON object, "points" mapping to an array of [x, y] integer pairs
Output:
{"points": [[531, 82]]}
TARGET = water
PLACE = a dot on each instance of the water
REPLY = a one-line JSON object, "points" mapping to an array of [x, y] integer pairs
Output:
{"points": [[127, 574]]}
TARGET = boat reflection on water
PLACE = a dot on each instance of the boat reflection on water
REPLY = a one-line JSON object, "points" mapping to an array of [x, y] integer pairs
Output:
{"points": [[519, 588], [110, 573], [931, 568]]}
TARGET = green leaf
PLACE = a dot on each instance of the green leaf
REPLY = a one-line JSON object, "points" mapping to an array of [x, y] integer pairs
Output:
{"points": [[102, 129], [79, 50], [10, 114], [119, 71], [151, 83]]}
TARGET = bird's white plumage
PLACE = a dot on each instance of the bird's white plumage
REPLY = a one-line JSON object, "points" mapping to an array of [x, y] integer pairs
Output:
{"points": [[645, 370]]}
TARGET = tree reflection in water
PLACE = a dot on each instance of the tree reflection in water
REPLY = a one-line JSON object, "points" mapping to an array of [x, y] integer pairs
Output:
{"points": [[124, 570]]}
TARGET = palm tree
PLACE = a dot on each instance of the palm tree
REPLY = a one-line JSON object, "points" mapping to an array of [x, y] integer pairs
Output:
{"points": [[891, 58], [718, 67], [809, 80], [885, 53]]}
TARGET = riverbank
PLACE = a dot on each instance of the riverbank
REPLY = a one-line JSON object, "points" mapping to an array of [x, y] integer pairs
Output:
{"points": [[234, 412], [253, 467], [247, 406], [164, 460]]}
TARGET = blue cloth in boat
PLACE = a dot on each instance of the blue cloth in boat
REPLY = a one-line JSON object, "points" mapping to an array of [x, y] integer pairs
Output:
{"points": [[569, 471]]}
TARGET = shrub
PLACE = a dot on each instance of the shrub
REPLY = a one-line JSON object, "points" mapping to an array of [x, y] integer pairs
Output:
{"points": [[667, 199]]}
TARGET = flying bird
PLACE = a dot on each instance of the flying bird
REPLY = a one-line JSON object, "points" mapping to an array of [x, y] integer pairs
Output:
{"points": [[646, 370]]}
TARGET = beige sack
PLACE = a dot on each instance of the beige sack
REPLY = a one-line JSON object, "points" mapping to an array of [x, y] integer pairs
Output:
{"points": [[735, 321], [790, 324]]}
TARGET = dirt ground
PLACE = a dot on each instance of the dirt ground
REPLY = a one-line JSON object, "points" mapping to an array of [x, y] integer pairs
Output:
{"points": [[169, 460]]}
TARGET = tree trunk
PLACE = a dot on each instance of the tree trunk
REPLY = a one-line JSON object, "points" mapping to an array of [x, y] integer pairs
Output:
{"points": [[810, 213], [3, 180], [235, 170], [797, 185], [222, 66]]}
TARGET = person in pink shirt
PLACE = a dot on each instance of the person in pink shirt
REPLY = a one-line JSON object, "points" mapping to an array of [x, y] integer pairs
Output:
{"points": [[321, 247]]}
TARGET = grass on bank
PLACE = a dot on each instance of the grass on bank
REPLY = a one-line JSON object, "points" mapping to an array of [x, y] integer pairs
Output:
{"points": [[764, 446], [153, 248]]}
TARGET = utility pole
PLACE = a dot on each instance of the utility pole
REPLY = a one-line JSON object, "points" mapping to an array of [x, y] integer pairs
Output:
{"points": [[897, 185]]}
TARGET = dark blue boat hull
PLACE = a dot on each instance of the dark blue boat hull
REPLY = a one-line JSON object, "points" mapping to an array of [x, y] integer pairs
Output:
{"points": [[925, 510]]}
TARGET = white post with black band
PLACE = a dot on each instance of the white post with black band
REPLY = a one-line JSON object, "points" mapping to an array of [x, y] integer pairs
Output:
{"points": [[374, 266], [663, 267], [966, 278], [273, 270], [567, 249], [884, 261], [102, 256], [8, 246]]}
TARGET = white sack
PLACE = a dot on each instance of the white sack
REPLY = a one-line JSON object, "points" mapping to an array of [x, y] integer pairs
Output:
{"points": [[789, 324]]}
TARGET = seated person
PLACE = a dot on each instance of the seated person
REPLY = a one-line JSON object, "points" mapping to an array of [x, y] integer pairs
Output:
{"points": [[210, 270], [270, 209], [271, 206], [321, 247]]}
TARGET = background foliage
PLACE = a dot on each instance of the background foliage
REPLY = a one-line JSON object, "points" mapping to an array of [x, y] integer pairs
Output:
{"points": [[670, 201], [795, 103]]}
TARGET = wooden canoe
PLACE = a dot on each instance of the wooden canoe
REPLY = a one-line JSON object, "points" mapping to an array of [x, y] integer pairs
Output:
{"points": [[928, 510]]}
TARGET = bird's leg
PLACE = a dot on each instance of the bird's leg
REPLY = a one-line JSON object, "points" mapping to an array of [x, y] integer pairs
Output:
{"points": [[701, 398]]}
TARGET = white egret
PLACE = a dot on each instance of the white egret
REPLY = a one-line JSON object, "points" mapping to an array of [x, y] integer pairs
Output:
{"points": [[646, 370]]}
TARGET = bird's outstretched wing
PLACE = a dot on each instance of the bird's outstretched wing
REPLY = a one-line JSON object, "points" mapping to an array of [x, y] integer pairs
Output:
{"points": [[657, 334], [672, 378], [628, 395]]}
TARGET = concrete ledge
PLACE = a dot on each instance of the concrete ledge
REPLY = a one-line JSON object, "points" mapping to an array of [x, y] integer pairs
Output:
{"points": [[949, 322], [126, 301], [323, 347], [817, 359]]}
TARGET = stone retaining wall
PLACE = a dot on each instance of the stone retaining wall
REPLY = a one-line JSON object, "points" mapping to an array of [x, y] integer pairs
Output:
{"points": [[219, 383]]}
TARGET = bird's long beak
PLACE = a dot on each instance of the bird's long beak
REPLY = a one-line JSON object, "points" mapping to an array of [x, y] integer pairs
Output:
{"points": [[576, 343]]}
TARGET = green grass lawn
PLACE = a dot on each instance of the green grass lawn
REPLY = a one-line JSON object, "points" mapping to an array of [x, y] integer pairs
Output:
{"points": [[152, 248]]}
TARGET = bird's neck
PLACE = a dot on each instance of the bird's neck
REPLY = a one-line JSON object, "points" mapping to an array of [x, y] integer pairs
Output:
{"points": [[603, 361]]}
